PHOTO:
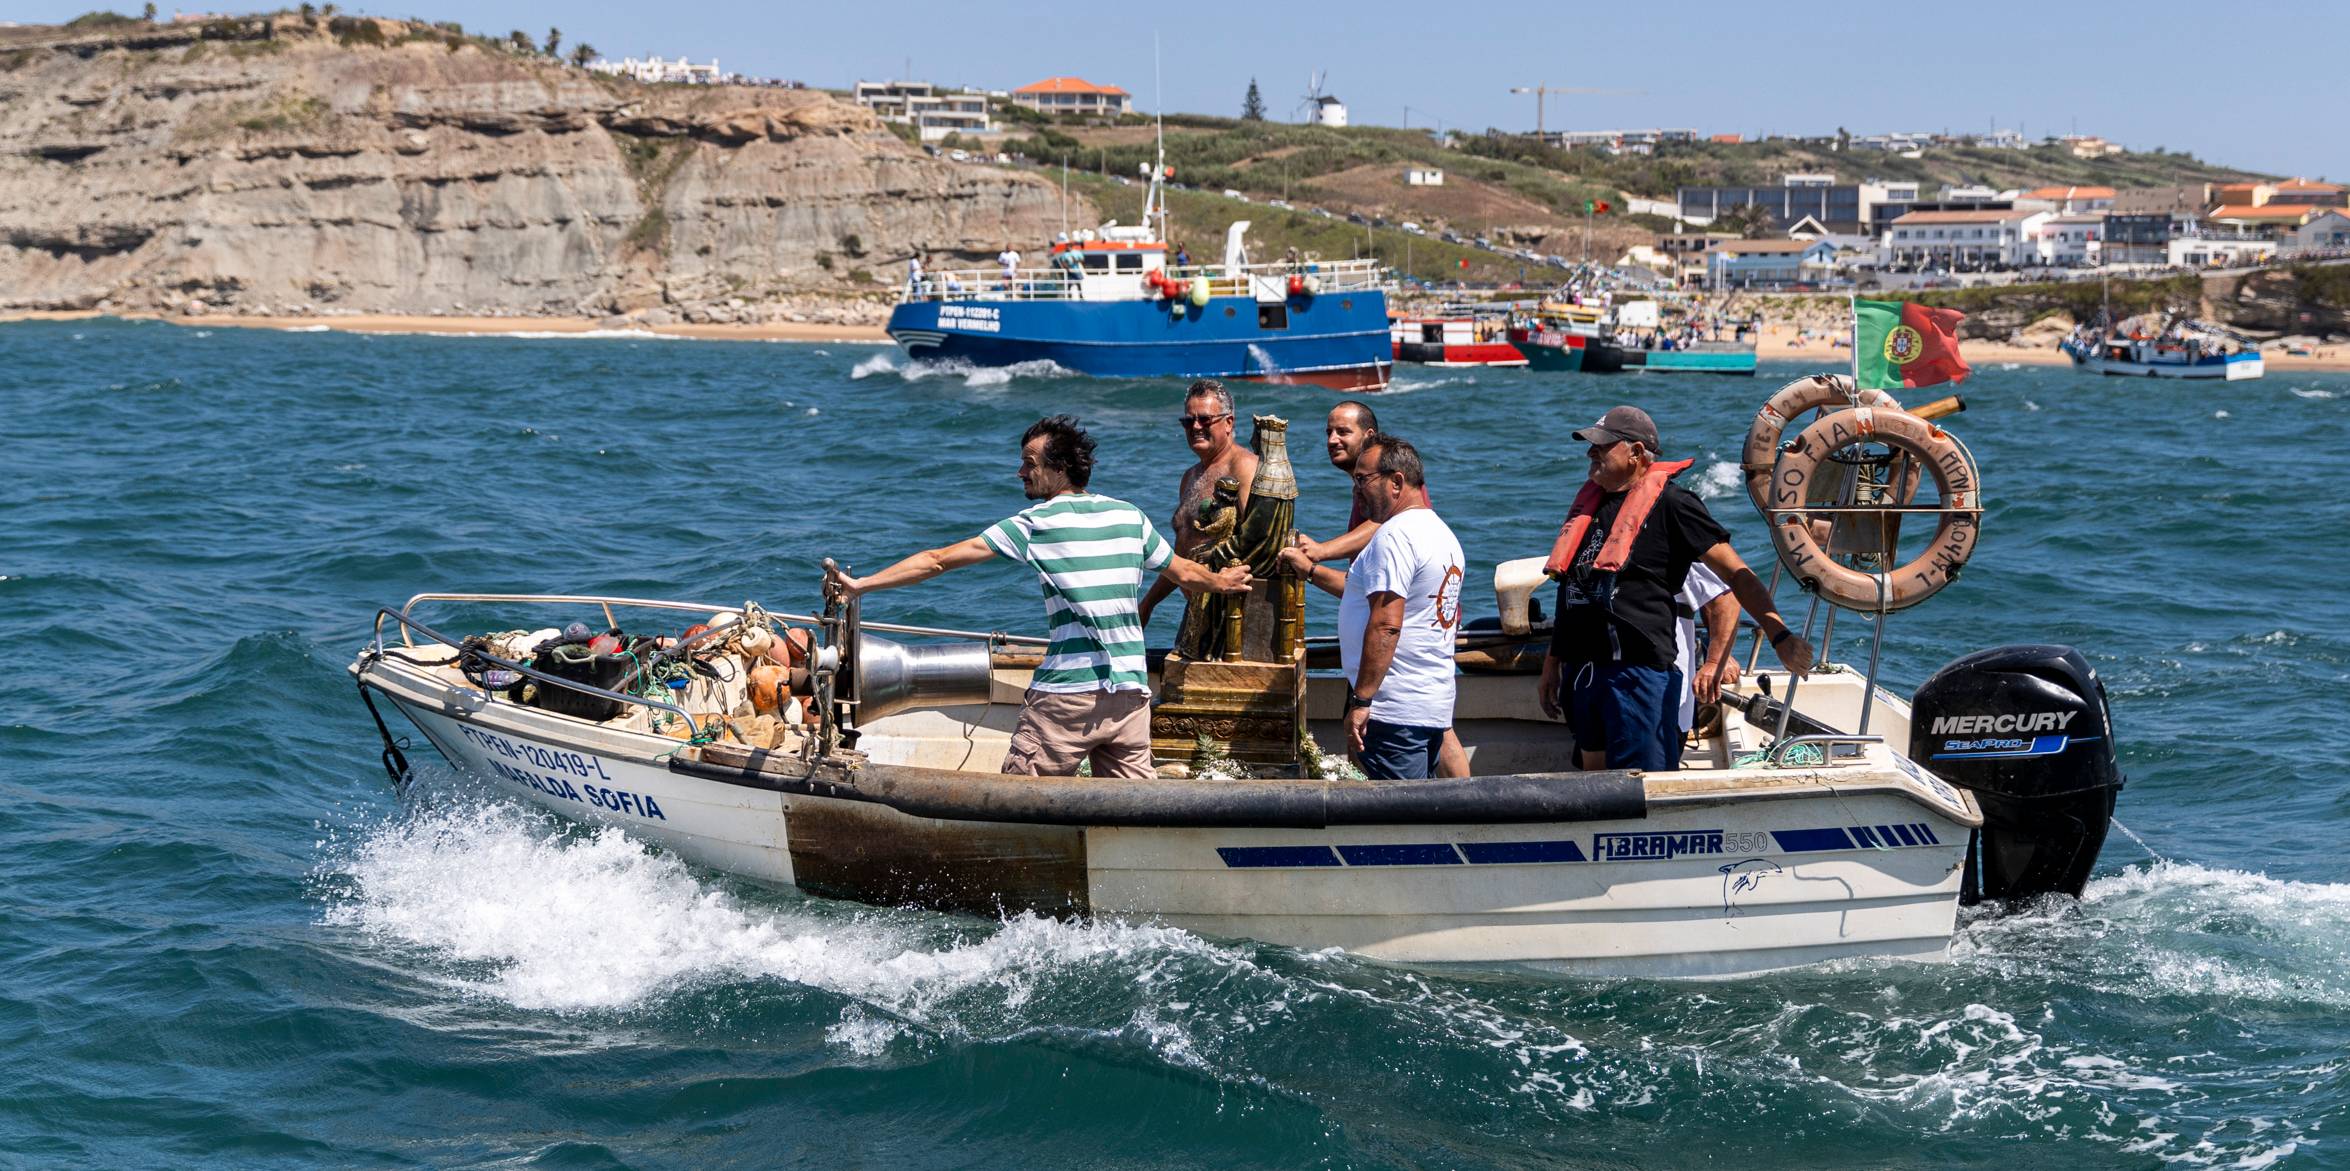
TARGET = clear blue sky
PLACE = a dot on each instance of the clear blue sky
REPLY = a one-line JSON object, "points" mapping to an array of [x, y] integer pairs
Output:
{"points": [[2264, 95]]}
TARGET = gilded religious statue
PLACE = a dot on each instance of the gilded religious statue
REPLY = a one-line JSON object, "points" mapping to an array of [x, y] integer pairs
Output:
{"points": [[1212, 623]]}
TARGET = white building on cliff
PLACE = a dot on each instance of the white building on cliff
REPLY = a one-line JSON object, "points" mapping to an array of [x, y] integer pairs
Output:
{"points": [[655, 71]]}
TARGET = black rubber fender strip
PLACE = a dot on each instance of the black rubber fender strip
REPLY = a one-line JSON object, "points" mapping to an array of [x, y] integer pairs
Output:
{"points": [[1183, 804]]}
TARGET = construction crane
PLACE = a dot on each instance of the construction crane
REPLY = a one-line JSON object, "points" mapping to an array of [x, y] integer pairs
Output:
{"points": [[1543, 91]]}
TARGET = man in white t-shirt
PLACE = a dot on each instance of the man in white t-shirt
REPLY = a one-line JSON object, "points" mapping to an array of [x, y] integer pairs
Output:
{"points": [[1010, 259], [1399, 613], [1703, 592]]}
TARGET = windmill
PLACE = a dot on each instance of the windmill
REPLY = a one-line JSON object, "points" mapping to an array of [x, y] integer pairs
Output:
{"points": [[1309, 107]]}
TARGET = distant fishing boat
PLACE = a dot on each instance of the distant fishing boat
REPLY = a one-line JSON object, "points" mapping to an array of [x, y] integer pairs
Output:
{"points": [[1634, 337], [2157, 345], [1451, 341], [1554, 336], [2165, 355], [1110, 305]]}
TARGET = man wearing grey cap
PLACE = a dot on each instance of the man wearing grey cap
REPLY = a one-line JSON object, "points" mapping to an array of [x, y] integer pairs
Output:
{"points": [[1620, 558]]}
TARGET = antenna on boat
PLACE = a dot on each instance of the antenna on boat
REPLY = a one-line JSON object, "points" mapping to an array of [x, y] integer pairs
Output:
{"points": [[1155, 200]]}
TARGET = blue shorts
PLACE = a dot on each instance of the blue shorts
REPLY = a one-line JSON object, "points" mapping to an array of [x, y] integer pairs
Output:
{"points": [[1397, 752], [1633, 714]]}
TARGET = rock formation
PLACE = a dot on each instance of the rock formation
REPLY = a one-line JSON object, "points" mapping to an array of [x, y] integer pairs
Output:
{"points": [[281, 164]]}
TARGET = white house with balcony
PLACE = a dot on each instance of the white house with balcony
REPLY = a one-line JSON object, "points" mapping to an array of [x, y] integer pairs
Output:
{"points": [[1970, 239], [2071, 241], [933, 112], [656, 71]]}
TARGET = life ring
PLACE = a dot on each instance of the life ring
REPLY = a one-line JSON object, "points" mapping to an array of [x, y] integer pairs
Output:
{"points": [[1803, 394], [1935, 566]]}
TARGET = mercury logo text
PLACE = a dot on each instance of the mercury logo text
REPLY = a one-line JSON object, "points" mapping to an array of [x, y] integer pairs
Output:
{"points": [[2025, 722]]}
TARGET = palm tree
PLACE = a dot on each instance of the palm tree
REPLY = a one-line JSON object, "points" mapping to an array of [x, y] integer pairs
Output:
{"points": [[554, 41], [582, 53]]}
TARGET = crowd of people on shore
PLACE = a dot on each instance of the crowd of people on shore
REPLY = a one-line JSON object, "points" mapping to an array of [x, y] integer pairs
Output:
{"points": [[1638, 561]]}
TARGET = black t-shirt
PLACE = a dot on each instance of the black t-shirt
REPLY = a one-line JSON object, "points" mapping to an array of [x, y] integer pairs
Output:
{"points": [[1678, 532]]}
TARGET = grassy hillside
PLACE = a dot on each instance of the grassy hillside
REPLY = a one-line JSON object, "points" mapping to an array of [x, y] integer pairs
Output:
{"points": [[1508, 183], [1198, 220]]}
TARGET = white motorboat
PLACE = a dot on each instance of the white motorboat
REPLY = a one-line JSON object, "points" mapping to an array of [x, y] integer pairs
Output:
{"points": [[1815, 819], [1830, 845]]}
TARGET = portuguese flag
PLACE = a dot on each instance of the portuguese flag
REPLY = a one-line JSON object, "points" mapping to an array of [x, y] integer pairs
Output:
{"points": [[1903, 345]]}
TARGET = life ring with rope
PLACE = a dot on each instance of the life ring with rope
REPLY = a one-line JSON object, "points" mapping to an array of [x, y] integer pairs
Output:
{"points": [[1791, 491], [1809, 393]]}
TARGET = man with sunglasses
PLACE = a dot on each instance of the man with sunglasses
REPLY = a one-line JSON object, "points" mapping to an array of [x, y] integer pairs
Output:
{"points": [[1207, 421], [1399, 614]]}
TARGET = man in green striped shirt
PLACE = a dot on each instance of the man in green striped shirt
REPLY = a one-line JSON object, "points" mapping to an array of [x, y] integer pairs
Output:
{"points": [[1090, 698]]}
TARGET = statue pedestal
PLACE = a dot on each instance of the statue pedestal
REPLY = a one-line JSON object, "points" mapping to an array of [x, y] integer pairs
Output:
{"points": [[1252, 709]]}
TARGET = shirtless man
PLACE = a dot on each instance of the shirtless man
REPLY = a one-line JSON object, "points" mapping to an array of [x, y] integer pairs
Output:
{"points": [[1350, 426], [1207, 422]]}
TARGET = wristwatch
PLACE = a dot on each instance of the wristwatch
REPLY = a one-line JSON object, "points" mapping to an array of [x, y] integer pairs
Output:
{"points": [[1354, 701]]}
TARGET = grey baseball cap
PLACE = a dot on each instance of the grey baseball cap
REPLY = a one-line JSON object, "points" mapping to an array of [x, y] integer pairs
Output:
{"points": [[1622, 424]]}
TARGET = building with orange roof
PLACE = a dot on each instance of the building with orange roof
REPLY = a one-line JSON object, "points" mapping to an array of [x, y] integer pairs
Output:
{"points": [[2241, 194], [2304, 193], [1073, 95], [2072, 200]]}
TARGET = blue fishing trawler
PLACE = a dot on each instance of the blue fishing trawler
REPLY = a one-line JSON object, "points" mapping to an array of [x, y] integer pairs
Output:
{"points": [[1109, 304]]}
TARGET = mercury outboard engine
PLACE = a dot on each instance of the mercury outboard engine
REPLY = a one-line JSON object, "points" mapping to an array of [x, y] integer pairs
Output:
{"points": [[2027, 730]]}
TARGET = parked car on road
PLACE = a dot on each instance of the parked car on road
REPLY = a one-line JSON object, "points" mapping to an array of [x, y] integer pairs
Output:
{"points": [[1231, 194], [1280, 203], [960, 156], [1413, 228], [1356, 217]]}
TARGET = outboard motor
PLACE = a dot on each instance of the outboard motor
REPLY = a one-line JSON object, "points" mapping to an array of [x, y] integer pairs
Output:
{"points": [[2027, 730]]}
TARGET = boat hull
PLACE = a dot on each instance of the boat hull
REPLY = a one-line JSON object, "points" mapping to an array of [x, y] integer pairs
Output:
{"points": [[1551, 352], [1333, 339], [1606, 873], [1608, 358]]}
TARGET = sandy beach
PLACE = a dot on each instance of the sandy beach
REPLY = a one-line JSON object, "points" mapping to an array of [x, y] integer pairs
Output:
{"points": [[1778, 344], [419, 323]]}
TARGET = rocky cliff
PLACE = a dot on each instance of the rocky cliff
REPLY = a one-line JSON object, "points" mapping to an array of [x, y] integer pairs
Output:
{"points": [[287, 165]]}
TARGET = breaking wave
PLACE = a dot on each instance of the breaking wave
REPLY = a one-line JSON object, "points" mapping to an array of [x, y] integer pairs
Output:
{"points": [[919, 370]]}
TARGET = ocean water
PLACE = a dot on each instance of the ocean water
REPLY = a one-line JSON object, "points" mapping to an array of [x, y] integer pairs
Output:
{"points": [[225, 942]]}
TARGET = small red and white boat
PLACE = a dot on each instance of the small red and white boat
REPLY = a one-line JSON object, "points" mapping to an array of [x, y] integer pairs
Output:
{"points": [[1452, 341]]}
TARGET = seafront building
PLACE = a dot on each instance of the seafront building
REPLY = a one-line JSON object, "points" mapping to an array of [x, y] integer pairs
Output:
{"points": [[1745, 264], [933, 112], [1978, 238]]}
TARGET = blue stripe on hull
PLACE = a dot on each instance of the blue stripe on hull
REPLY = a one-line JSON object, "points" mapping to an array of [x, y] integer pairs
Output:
{"points": [[1144, 339]]}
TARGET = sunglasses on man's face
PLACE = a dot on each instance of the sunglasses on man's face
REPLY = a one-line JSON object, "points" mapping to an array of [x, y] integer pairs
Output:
{"points": [[1190, 421]]}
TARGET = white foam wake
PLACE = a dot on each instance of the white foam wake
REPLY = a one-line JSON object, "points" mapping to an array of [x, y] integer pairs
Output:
{"points": [[1720, 479], [597, 921], [971, 375]]}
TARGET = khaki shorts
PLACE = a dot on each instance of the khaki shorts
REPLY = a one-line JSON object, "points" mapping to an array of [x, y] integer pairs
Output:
{"points": [[1058, 730]]}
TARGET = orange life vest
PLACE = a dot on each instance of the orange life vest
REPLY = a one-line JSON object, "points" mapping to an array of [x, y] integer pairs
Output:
{"points": [[1638, 501]]}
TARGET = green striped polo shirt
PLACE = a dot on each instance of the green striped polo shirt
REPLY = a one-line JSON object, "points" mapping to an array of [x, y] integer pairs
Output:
{"points": [[1091, 553]]}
